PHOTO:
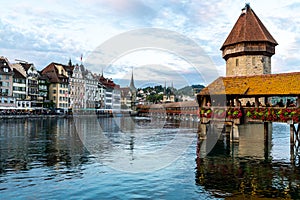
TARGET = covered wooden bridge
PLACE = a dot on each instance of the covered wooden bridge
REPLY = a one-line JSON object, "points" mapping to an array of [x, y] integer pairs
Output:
{"points": [[225, 100], [255, 86]]}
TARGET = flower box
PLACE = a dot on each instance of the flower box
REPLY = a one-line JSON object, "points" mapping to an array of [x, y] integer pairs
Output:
{"points": [[274, 114]]}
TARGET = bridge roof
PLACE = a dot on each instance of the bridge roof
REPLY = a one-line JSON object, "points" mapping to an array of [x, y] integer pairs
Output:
{"points": [[182, 104], [284, 84]]}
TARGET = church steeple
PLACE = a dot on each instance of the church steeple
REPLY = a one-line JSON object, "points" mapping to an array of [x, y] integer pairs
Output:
{"points": [[70, 63], [249, 46], [131, 86]]}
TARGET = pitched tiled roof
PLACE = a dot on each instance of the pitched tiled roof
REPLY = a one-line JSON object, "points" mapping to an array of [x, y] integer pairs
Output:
{"points": [[52, 76], [26, 66], [4, 63], [52, 73], [285, 84], [44, 77], [108, 83], [18, 74], [248, 28], [19, 68]]}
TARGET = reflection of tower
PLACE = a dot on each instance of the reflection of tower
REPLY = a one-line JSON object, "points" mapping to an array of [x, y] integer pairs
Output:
{"points": [[133, 92], [131, 146]]}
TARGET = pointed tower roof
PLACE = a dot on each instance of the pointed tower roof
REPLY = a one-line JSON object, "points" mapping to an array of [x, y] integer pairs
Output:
{"points": [[131, 86], [248, 28]]}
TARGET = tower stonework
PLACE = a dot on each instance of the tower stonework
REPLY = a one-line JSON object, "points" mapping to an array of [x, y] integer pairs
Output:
{"points": [[249, 46]]}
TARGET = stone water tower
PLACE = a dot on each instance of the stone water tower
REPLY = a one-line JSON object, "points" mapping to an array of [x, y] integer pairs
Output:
{"points": [[249, 46]]}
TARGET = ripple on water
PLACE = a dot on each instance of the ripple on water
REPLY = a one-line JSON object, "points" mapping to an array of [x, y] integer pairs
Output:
{"points": [[46, 160]]}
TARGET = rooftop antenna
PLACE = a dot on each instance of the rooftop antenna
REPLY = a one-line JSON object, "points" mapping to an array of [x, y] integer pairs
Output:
{"points": [[21, 61]]}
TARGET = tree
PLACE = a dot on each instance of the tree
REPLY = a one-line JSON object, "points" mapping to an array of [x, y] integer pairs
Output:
{"points": [[154, 98]]}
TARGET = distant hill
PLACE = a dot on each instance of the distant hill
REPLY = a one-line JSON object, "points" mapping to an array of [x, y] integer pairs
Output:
{"points": [[155, 94], [189, 90]]}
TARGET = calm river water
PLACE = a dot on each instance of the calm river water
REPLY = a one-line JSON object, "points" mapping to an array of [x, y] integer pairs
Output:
{"points": [[139, 158]]}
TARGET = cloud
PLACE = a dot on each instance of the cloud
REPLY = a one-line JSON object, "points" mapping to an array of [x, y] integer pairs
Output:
{"points": [[52, 30]]}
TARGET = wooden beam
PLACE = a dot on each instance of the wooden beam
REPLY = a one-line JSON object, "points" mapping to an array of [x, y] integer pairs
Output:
{"points": [[204, 100], [266, 100], [266, 140], [292, 136], [256, 102], [292, 143]]}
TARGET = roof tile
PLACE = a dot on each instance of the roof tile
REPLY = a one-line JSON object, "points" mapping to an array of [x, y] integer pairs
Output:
{"points": [[255, 85], [248, 28]]}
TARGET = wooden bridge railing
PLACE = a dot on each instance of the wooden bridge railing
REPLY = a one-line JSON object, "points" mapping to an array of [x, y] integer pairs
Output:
{"points": [[268, 114]]}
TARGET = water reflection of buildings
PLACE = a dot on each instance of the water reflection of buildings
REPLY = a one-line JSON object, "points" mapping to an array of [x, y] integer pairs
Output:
{"points": [[254, 141], [246, 169], [31, 143]]}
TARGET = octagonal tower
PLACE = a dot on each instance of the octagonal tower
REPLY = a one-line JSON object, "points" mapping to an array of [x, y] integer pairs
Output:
{"points": [[249, 46]]}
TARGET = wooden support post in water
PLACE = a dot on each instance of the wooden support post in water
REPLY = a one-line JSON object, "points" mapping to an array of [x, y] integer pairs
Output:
{"points": [[202, 131], [266, 140], [292, 136], [234, 134], [292, 142]]}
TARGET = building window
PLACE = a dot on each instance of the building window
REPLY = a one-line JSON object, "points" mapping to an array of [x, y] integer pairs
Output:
{"points": [[237, 62], [54, 91], [253, 61], [5, 84]]}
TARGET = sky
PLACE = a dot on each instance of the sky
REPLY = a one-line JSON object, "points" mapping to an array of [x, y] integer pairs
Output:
{"points": [[180, 42]]}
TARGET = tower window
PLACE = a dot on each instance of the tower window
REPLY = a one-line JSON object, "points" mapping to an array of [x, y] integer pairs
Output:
{"points": [[253, 60], [237, 62]]}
